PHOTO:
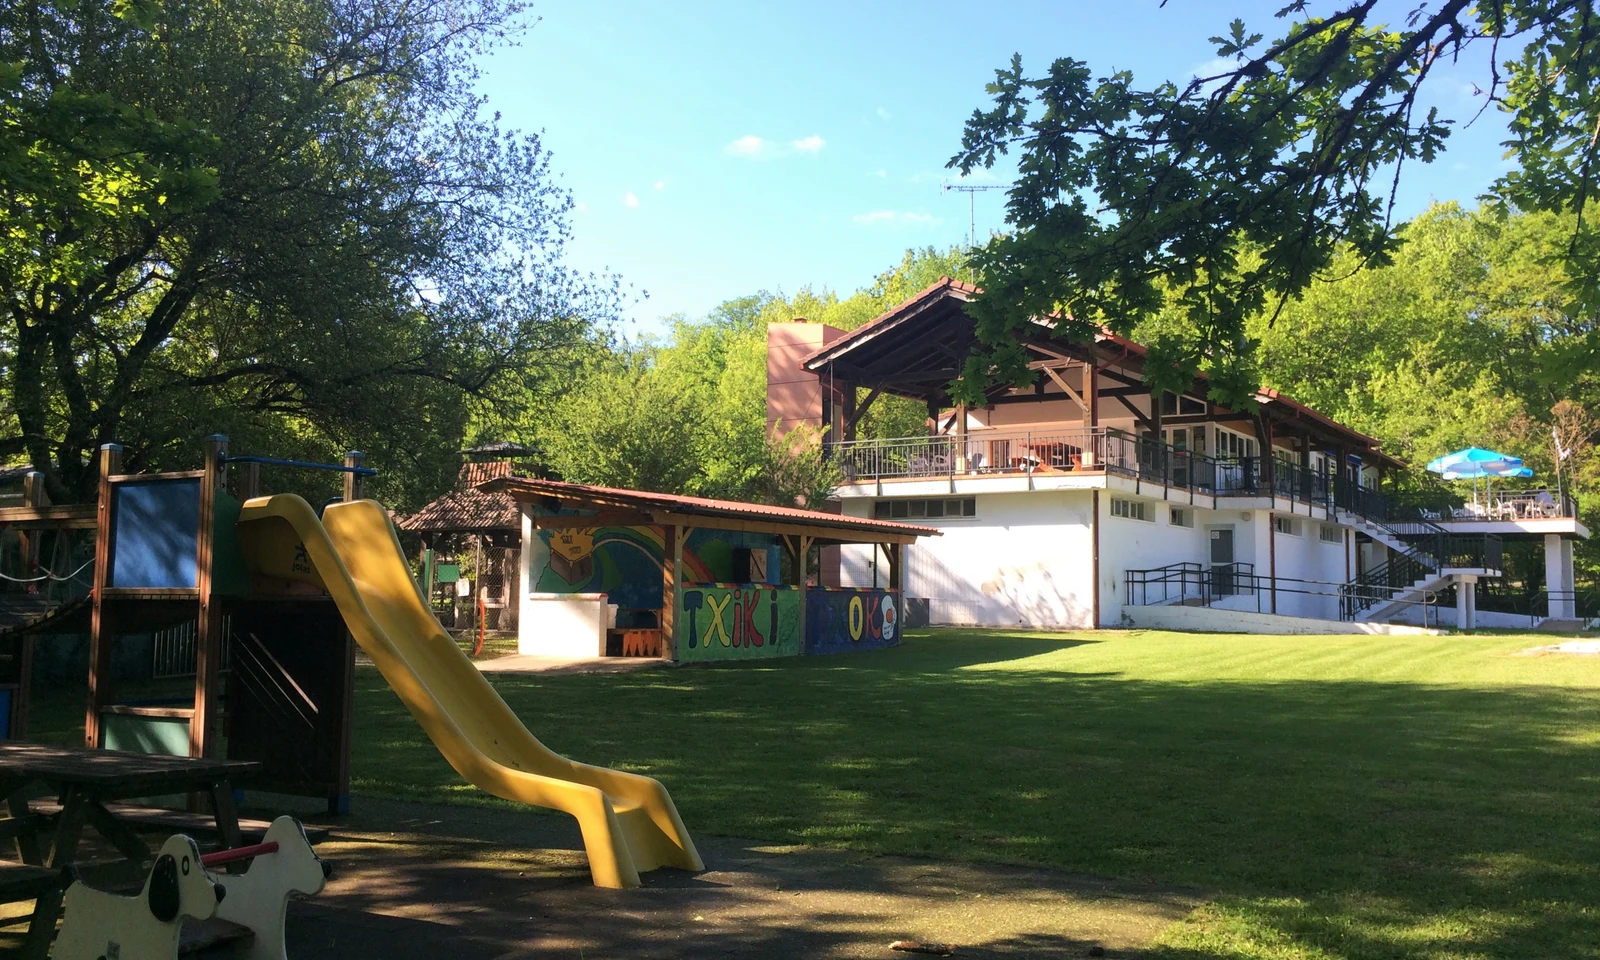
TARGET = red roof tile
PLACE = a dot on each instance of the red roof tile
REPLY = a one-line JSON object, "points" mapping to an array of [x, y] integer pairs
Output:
{"points": [[578, 494]]}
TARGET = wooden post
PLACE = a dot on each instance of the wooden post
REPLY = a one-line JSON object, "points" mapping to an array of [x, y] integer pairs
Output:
{"points": [[961, 438], [352, 481], [896, 554], [671, 588], [204, 723], [100, 626], [33, 495], [847, 425], [802, 573]]}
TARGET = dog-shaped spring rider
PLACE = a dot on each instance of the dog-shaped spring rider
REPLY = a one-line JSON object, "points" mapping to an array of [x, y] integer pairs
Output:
{"points": [[284, 865], [97, 925]]}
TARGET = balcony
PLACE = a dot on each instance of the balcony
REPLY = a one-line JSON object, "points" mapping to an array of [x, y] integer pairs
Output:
{"points": [[1149, 462], [1501, 505]]}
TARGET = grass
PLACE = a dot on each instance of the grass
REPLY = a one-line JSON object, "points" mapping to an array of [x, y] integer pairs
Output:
{"points": [[1360, 797]]}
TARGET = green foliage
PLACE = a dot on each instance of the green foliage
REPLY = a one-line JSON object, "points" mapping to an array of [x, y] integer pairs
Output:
{"points": [[284, 219], [688, 414], [1472, 336], [1226, 198]]}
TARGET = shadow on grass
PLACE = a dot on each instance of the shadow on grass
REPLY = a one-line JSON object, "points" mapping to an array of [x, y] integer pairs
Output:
{"points": [[1363, 819]]}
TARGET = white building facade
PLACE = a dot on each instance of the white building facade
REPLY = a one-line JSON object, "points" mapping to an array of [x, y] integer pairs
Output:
{"points": [[1083, 501]]}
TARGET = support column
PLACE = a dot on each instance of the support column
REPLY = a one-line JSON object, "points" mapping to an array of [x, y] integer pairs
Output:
{"points": [[33, 495], [802, 573], [353, 481], [1462, 593], [204, 722], [1094, 559], [671, 589], [1559, 581], [897, 554], [961, 438], [1472, 602], [101, 629]]}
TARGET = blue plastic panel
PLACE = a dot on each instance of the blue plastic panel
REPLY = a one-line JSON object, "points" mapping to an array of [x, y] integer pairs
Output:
{"points": [[155, 533]]}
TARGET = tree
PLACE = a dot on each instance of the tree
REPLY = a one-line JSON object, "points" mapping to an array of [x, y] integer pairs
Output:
{"points": [[1231, 194], [287, 214]]}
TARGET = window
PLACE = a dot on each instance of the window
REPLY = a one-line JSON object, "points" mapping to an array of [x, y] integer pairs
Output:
{"points": [[1182, 405], [941, 509], [1130, 509], [1182, 517], [1234, 445], [1331, 534], [1286, 525]]}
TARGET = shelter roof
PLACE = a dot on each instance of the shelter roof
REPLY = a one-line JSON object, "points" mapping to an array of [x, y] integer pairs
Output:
{"points": [[627, 507], [916, 348], [467, 509]]}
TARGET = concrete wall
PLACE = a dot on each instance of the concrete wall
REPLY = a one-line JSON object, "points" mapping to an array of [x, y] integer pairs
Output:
{"points": [[794, 396], [1205, 619], [1025, 559]]}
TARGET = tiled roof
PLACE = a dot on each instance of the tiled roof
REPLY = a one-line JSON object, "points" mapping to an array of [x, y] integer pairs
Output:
{"points": [[583, 495], [466, 509], [947, 287]]}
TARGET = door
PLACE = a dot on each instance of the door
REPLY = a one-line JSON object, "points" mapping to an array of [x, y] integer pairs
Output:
{"points": [[1222, 584]]}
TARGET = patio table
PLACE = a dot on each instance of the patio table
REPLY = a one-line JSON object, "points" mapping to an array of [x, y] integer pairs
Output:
{"points": [[86, 780]]}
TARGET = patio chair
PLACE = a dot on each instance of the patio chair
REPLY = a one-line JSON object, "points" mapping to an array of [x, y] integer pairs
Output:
{"points": [[918, 465]]}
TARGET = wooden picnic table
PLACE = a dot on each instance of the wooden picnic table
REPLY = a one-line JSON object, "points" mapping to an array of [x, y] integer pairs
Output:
{"points": [[86, 780]]}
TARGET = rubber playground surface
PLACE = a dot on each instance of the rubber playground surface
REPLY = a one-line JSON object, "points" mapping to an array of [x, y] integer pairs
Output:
{"points": [[421, 881]]}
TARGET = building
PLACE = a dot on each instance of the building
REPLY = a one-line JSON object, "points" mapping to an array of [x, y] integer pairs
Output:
{"points": [[1079, 501]]}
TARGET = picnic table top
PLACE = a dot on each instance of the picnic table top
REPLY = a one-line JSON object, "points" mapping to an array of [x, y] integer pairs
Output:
{"points": [[116, 770]]}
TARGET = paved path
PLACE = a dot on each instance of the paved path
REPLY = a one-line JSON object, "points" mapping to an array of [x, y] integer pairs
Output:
{"points": [[424, 882], [527, 663]]}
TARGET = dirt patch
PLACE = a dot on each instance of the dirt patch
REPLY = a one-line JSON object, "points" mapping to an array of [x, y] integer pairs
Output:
{"points": [[424, 881]]}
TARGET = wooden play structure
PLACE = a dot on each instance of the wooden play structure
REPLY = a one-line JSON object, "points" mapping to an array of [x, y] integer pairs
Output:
{"points": [[277, 589], [273, 662]]}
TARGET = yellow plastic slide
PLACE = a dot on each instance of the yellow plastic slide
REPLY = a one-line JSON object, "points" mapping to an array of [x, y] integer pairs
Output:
{"points": [[629, 822]]}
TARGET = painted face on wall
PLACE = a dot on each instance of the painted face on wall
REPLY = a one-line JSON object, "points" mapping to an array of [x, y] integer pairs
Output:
{"points": [[572, 555]]}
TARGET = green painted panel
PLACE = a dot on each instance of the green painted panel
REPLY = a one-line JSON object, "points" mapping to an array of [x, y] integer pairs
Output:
{"points": [[166, 735], [229, 573], [737, 622]]}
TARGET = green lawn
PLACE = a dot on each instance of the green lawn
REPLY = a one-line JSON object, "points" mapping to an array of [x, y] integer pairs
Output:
{"points": [[1339, 797]]}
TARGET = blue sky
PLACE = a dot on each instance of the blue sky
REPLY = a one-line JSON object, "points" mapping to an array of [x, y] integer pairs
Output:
{"points": [[717, 149]]}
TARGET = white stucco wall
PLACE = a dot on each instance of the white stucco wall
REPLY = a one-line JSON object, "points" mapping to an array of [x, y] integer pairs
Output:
{"points": [[1025, 559]]}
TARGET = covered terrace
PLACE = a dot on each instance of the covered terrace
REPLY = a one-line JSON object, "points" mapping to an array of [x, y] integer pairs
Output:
{"points": [[1088, 411]]}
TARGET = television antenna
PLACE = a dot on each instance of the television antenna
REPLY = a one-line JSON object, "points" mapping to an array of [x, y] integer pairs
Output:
{"points": [[971, 190]]}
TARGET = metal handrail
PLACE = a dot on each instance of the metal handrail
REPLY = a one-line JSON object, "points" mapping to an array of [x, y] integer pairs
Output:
{"points": [[304, 465]]}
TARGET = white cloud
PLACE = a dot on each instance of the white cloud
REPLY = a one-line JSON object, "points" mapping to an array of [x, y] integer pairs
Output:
{"points": [[903, 218], [810, 144], [884, 114], [880, 173], [750, 146], [581, 206], [661, 184], [630, 200]]}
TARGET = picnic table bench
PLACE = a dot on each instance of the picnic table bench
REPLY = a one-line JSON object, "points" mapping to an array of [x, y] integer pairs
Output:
{"points": [[86, 781]]}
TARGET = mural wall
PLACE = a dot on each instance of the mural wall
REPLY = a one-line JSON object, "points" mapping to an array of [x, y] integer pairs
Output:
{"points": [[625, 562], [842, 620], [729, 621]]}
